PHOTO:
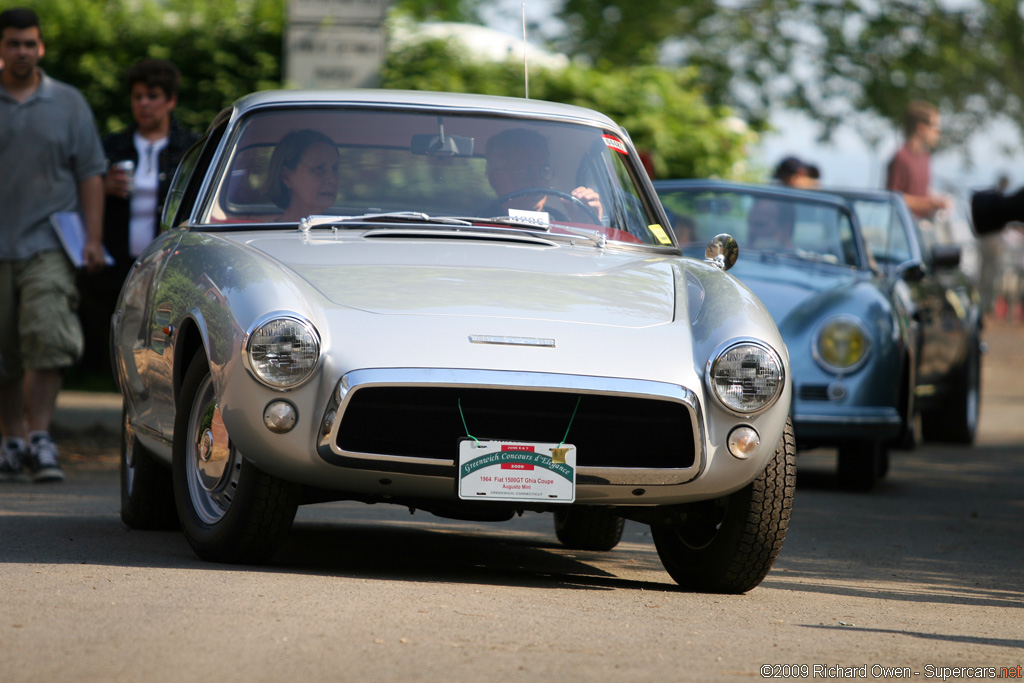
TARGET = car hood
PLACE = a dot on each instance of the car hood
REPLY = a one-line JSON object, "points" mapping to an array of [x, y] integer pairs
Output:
{"points": [[795, 294], [479, 278]]}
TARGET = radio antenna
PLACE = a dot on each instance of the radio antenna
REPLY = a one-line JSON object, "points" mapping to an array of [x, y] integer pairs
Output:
{"points": [[526, 68]]}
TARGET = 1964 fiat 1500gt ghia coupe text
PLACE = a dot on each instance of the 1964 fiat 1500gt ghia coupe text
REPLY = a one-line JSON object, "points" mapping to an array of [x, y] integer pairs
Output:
{"points": [[461, 304]]}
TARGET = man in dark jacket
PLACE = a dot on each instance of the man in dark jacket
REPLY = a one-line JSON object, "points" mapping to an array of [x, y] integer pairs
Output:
{"points": [[154, 145]]}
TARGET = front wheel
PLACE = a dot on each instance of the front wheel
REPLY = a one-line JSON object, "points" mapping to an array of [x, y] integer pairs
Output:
{"points": [[585, 528], [728, 545], [230, 510]]}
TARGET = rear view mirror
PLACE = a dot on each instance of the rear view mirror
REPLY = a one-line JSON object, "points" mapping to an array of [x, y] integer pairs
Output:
{"points": [[442, 145]]}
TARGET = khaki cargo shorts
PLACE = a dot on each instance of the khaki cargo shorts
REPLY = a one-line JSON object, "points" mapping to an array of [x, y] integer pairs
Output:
{"points": [[39, 328]]}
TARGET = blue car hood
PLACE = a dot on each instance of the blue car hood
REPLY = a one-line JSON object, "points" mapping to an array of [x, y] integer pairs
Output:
{"points": [[796, 293]]}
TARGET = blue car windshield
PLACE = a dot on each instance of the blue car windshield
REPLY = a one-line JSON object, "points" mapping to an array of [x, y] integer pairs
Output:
{"points": [[883, 230], [770, 224], [285, 164]]}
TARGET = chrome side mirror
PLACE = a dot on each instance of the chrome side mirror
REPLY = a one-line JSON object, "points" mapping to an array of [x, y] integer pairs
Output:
{"points": [[722, 251]]}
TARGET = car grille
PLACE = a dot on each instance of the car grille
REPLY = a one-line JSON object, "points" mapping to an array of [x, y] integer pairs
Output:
{"points": [[813, 392], [607, 431]]}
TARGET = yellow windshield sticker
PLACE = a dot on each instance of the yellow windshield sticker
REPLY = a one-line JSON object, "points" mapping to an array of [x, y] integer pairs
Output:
{"points": [[659, 233]]}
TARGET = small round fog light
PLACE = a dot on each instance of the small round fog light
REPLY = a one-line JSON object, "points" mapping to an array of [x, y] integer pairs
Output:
{"points": [[836, 391], [279, 416], [743, 441]]}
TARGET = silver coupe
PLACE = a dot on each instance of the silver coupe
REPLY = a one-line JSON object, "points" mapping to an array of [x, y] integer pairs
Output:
{"points": [[466, 305]]}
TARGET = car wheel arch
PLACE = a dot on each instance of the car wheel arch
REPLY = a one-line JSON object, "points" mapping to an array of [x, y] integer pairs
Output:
{"points": [[188, 340]]}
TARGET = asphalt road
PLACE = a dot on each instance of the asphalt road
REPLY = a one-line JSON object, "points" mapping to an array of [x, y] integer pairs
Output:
{"points": [[925, 573]]}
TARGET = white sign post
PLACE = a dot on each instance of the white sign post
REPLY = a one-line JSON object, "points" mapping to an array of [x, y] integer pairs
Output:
{"points": [[335, 43]]}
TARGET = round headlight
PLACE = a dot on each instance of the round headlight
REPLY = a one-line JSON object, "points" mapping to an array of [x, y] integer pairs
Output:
{"points": [[842, 344], [747, 377], [283, 351]]}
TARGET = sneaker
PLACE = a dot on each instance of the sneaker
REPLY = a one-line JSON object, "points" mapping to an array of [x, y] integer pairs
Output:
{"points": [[12, 455], [42, 459]]}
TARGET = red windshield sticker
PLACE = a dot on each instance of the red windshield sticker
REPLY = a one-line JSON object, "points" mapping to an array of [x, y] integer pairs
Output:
{"points": [[615, 144]]}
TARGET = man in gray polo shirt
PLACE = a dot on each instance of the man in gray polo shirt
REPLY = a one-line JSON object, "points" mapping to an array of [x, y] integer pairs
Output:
{"points": [[51, 160]]}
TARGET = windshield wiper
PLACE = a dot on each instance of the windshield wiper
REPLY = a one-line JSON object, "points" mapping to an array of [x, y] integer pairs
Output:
{"points": [[593, 235], [310, 222], [388, 217]]}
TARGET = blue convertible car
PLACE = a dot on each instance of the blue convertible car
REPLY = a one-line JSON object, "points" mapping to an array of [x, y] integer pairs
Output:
{"points": [[851, 341]]}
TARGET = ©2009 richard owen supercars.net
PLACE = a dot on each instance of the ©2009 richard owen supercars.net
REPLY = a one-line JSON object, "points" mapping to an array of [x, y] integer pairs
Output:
{"points": [[465, 305]]}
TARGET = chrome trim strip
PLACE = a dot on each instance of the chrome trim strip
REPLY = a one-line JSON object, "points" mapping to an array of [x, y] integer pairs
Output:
{"points": [[527, 381], [512, 341]]}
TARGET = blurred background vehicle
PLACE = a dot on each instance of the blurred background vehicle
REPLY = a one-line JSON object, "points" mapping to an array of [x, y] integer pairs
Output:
{"points": [[924, 268], [851, 345]]}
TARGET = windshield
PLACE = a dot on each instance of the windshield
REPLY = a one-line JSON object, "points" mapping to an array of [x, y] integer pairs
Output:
{"points": [[883, 231], [284, 165], [763, 223]]}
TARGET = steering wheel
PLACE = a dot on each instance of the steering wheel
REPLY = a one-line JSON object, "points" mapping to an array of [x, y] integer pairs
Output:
{"points": [[553, 192]]}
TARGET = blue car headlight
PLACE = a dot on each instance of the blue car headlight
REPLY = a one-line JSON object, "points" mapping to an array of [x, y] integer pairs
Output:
{"points": [[282, 351], [841, 344], [746, 377]]}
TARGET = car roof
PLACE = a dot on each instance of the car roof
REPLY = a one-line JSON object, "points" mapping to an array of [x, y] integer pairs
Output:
{"points": [[779, 191], [419, 98]]}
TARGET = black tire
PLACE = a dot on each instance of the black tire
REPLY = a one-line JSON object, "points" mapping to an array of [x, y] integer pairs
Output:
{"points": [[588, 528], [147, 496], [883, 464], [907, 439], [956, 419], [728, 545], [862, 464], [230, 510]]}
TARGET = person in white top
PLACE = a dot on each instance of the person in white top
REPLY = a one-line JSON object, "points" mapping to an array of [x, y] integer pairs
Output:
{"points": [[153, 144]]}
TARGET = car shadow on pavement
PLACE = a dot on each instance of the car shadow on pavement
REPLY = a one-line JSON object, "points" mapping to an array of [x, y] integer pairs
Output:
{"points": [[425, 551], [80, 524]]}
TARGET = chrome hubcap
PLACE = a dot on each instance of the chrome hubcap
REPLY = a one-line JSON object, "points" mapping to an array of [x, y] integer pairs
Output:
{"points": [[212, 463]]}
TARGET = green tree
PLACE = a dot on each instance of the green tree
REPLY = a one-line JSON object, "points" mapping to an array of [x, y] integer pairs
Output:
{"points": [[440, 10], [224, 49], [834, 59], [227, 48]]}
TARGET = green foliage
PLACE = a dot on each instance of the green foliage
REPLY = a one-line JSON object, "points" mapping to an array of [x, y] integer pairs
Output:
{"points": [[224, 49], [440, 10], [434, 65], [662, 109], [833, 59], [227, 48]]}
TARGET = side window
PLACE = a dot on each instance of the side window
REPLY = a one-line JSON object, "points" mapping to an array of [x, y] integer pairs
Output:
{"points": [[181, 197], [178, 184], [883, 231]]}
